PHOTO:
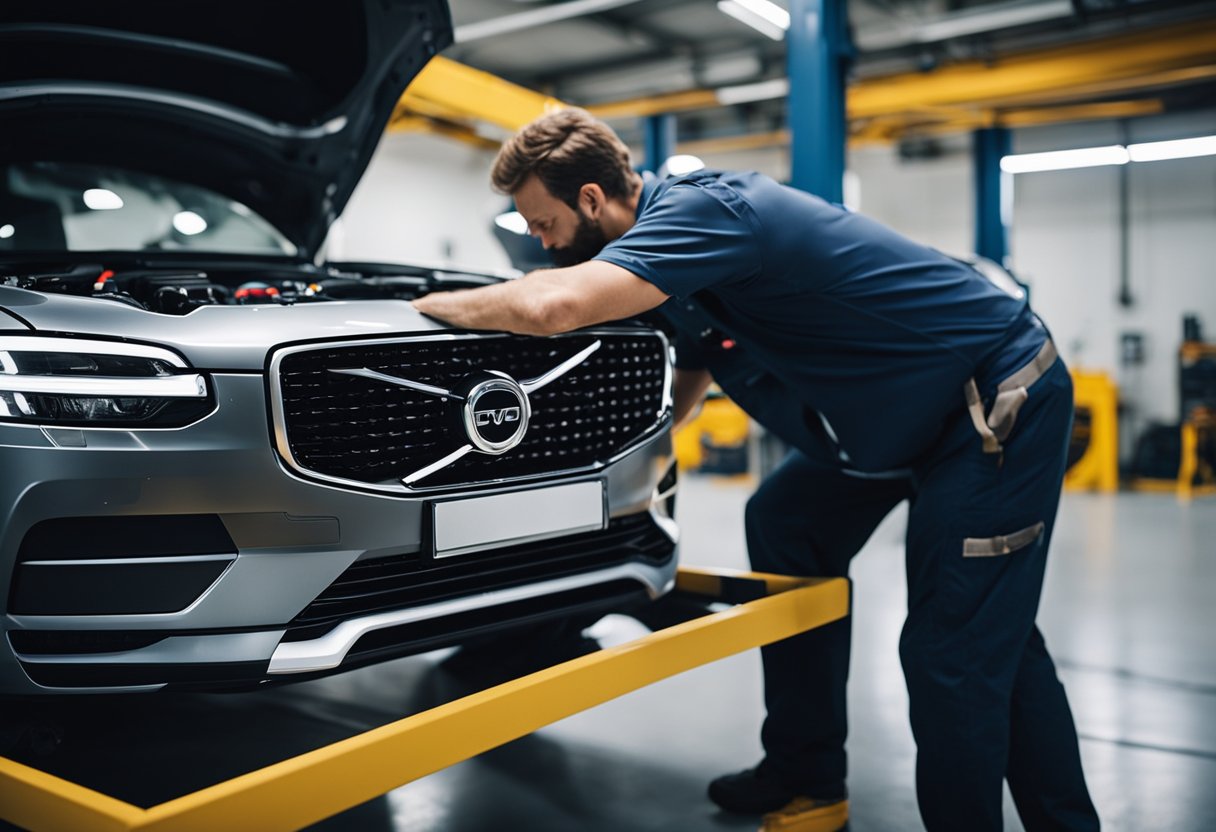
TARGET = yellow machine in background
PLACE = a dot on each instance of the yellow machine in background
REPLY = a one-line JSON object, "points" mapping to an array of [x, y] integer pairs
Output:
{"points": [[720, 430], [1097, 422]]}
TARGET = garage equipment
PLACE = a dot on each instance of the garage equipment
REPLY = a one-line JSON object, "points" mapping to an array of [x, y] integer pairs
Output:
{"points": [[310, 787]]}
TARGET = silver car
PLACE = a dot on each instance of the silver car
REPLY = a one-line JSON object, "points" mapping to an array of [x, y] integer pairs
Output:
{"points": [[227, 461]]}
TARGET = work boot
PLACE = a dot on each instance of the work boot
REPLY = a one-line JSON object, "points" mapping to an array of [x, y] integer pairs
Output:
{"points": [[752, 791]]}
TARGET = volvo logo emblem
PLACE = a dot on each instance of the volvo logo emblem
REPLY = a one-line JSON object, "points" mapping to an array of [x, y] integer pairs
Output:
{"points": [[495, 413], [496, 417]]}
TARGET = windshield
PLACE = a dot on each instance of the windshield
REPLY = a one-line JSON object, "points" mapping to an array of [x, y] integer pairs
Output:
{"points": [[51, 206]]}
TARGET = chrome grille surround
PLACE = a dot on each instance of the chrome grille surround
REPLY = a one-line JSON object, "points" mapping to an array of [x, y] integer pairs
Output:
{"points": [[284, 372]]}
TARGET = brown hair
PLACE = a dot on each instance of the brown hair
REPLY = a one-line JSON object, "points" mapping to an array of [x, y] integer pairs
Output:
{"points": [[566, 150]]}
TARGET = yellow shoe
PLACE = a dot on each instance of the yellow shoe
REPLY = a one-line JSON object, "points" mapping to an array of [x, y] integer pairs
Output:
{"points": [[803, 814]]}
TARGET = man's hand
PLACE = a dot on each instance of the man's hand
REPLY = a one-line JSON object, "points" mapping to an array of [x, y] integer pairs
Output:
{"points": [[547, 301]]}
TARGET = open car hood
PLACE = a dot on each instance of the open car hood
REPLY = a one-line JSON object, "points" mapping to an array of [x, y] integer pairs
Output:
{"points": [[276, 105]]}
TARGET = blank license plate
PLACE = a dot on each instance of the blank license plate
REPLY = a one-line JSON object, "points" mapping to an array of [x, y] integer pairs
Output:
{"points": [[479, 523]]}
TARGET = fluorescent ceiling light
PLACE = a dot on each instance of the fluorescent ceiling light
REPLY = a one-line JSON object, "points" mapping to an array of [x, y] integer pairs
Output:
{"points": [[189, 223], [100, 199], [1084, 157], [1176, 149], [765, 17], [512, 221], [681, 164], [7, 231], [1116, 154], [760, 91]]}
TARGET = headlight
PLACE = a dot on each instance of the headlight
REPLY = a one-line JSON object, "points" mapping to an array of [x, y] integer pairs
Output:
{"points": [[64, 381]]}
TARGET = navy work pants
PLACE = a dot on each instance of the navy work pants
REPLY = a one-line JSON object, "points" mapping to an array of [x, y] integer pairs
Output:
{"points": [[985, 702]]}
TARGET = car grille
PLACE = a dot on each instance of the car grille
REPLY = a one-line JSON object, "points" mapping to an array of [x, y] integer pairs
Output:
{"points": [[362, 430], [400, 581]]}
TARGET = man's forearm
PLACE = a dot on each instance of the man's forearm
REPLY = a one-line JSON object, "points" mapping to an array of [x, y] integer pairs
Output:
{"points": [[513, 307], [547, 301]]}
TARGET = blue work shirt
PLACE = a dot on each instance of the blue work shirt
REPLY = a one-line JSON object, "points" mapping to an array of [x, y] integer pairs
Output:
{"points": [[819, 321]]}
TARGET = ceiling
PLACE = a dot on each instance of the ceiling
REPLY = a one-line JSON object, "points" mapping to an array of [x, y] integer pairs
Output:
{"points": [[588, 52]]}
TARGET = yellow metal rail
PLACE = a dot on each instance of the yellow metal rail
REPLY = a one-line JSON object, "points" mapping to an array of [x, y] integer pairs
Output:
{"points": [[308, 788], [451, 91]]}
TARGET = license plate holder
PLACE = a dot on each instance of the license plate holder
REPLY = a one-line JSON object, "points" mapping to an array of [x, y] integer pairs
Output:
{"points": [[476, 524]]}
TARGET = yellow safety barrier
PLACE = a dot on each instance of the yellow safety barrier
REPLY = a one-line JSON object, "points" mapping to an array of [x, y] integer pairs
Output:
{"points": [[313, 786], [1098, 468]]}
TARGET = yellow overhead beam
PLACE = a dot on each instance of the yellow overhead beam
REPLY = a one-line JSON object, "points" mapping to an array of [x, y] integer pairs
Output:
{"points": [[892, 128], [1045, 74], [434, 127], [936, 122], [451, 90], [1144, 60], [675, 102]]}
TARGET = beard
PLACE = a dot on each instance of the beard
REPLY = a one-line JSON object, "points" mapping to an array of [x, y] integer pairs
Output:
{"points": [[588, 241]]}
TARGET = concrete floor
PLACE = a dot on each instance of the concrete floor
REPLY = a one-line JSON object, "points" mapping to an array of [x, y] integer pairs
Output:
{"points": [[1128, 612]]}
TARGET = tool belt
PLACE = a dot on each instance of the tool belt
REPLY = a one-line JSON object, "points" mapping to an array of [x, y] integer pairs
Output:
{"points": [[1010, 396]]}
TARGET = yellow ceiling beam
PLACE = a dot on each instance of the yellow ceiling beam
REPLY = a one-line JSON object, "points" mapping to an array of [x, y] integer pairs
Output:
{"points": [[936, 122], [447, 89], [655, 105], [433, 127], [454, 96], [1046, 74], [1143, 60], [734, 144]]}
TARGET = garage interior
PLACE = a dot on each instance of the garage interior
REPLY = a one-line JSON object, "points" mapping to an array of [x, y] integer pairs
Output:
{"points": [[944, 103]]}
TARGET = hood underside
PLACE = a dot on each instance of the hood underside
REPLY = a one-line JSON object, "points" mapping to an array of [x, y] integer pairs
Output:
{"points": [[276, 105]]}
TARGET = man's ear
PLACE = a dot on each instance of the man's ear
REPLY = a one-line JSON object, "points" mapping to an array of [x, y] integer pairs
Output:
{"points": [[591, 200]]}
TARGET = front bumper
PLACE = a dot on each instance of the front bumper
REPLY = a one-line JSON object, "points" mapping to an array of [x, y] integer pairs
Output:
{"points": [[285, 541]]}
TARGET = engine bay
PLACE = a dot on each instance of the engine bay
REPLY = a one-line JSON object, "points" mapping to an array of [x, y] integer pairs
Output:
{"points": [[179, 291]]}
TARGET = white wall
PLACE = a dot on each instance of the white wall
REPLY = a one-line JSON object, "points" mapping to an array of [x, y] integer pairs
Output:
{"points": [[1065, 242], [423, 199]]}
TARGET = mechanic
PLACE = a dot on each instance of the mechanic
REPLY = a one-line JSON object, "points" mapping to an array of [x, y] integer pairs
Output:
{"points": [[895, 373]]}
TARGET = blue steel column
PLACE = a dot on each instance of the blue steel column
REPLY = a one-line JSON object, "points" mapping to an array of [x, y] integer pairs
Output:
{"points": [[987, 148], [818, 52], [660, 138]]}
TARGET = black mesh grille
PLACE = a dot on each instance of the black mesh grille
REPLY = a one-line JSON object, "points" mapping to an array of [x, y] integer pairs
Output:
{"points": [[400, 581], [375, 432]]}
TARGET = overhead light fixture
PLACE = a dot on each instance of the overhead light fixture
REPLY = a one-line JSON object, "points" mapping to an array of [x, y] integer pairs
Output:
{"points": [[512, 221], [1175, 149], [759, 91], [7, 231], [101, 199], [764, 16], [1115, 154], [189, 223], [680, 164], [1082, 157]]}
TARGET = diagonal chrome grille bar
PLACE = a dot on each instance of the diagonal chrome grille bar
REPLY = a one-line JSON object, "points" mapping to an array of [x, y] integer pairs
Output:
{"points": [[429, 389], [561, 369]]}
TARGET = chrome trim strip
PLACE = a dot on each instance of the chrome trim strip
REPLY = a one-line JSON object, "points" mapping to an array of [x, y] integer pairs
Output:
{"points": [[161, 387], [330, 650], [43, 343], [435, 466], [561, 369], [429, 389], [278, 420], [128, 561]]}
